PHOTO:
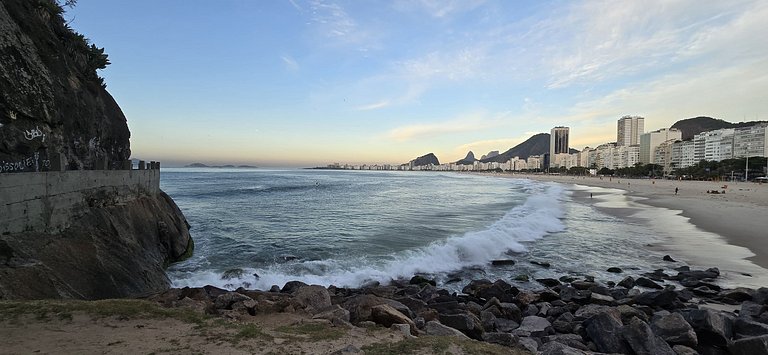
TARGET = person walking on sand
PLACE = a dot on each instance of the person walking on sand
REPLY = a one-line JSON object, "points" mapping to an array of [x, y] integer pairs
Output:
{"points": [[675, 191]]}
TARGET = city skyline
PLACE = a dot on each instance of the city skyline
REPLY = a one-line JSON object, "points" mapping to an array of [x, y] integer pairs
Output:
{"points": [[299, 83]]}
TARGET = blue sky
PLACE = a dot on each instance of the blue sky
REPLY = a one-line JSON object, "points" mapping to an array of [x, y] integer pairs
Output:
{"points": [[296, 83]]}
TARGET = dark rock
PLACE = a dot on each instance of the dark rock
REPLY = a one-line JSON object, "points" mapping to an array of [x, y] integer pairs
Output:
{"points": [[567, 279], [360, 307], [750, 346], [226, 300], [415, 305], [449, 307], [232, 274], [556, 348], [541, 263], [548, 282], [751, 309], [662, 299], [597, 298], [627, 282], [618, 293], [312, 298], [502, 262], [583, 285], [644, 282], [504, 339], [570, 294], [466, 323], [526, 297], [643, 341], [421, 280], [562, 327], [589, 311], [674, 330], [488, 321], [385, 315], [549, 295], [739, 294], [544, 308], [530, 310], [333, 312], [615, 270], [684, 350], [710, 273], [605, 331], [668, 258], [629, 312], [511, 311], [712, 328], [274, 288], [437, 329], [761, 296], [505, 325], [292, 286], [572, 340], [534, 326], [748, 328], [529, 344], [704, 291]]}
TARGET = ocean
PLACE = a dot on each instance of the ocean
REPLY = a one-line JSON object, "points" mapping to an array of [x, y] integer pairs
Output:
{"points": [[258, 228]]}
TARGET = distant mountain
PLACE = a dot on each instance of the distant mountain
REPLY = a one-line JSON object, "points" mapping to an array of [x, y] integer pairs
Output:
{"points": [[228, 166], [693, 126], [536, 145], [426, 160], [196, 165], [490, 154], [468, 160]]}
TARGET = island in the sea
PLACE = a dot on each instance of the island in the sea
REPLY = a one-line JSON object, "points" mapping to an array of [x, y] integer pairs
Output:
{"points": [[228, 166]]}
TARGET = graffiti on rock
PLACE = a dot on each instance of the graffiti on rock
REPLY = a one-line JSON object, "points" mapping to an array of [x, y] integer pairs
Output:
{"points": [[34, 133]]}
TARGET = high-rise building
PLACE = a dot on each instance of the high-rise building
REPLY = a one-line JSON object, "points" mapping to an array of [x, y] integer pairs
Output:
{"points": [[649, 141], [629, 130], [558, 142]]}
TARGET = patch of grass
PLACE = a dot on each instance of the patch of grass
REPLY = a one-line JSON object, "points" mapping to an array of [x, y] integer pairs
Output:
{"points": [[130, 308], [250, 331], [438, 345], [313, 331]]}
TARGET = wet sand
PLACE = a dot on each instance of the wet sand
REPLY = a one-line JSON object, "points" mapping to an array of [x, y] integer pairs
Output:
{"points": [[727, 230]]}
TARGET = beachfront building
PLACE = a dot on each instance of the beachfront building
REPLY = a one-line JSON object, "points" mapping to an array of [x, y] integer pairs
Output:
{"points": [[751, 141], [626, 156], [714, 145], [649, 141], [629, 130], [663, 155], [683, 154], [558, 142]]}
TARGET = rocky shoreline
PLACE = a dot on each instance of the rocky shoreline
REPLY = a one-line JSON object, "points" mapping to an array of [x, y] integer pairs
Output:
{"points": [[674, 311]]}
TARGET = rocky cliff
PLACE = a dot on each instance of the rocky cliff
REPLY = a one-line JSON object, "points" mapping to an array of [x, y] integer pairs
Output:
{"points": [[52, 102], [54, 110], [425, 160]]}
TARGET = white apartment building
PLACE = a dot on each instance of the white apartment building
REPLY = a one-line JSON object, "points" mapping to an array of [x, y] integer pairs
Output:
{"points": [[649, 141], [714, 145], [629, 130], [751, 141]]}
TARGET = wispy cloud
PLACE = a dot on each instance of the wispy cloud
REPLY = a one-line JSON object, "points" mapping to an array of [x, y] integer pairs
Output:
{"points": [[374, 106], [438, 8], [290, 63], [338, 27], [461, 124]]}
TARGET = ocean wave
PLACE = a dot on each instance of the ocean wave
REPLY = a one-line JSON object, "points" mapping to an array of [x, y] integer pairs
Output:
{"points": [[539, 215]]}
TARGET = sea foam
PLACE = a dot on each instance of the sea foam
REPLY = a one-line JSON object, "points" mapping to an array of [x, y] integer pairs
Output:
{"points": [[538, 216]]}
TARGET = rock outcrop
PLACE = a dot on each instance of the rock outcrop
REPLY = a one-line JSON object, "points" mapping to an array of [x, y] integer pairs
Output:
{"points": [[468, 160], [425, 160], [52, 102], [110, 251]]}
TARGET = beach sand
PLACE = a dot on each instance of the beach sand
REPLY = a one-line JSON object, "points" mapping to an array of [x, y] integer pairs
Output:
{"points": [[729, 230]]}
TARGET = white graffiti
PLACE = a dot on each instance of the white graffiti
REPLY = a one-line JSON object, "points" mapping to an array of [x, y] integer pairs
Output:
{"points": [[34, 133], [6, 166], [12, 115], [93, 143]]}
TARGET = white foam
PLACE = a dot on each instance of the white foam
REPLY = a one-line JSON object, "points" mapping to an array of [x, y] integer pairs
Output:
{"points": [[539, 215]]}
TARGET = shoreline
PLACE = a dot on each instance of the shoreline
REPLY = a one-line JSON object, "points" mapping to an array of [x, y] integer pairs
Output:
{"points": [[729, 226]]}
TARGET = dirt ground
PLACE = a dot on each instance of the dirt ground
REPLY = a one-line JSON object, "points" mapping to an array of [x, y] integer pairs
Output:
{"points": [[76, 327]]}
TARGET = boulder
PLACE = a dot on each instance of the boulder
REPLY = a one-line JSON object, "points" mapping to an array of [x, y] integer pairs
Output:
{"points": [[589, 311], [570, 294], [504, 339], [750, 346], [505, 325], [529, 344], [748, 328], [751, 309], [674, 330], [421, 280], [292, 286], [572, 340], [226, 300], [437, 329], [668, 258], [360, 306], [502, 262], [614, 270], [643, 341], [629, 312], [605, 331], [739, 294], [664, 299], [583, 285], [761, 296], [312, 298], [555, 348], [712, 327], [333, 312], [684, 350], [466, 323], [385, 315], [644, 282], [596, 298], [628, 282], [534, 326], [548, 282]]}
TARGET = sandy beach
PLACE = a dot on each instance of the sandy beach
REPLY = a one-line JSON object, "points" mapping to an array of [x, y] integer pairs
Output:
{"points": [[736, 221]]}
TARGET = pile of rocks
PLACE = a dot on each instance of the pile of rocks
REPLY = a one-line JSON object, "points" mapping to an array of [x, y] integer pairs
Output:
{"points": [[689, 314]]}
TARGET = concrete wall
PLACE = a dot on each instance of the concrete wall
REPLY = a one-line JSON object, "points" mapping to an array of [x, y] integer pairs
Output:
{"points": [[48, 201]]}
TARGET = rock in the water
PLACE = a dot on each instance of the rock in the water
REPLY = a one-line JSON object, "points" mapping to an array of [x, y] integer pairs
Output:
{"points": [[502, 262], [541, 263], [674, 330], [750, 346], [312, 298], [548, 282], [615, 270], [421, 280], [712, 327], [438, 329], [644, 282], [643, 341], [627, 282], [292, 286], [385, 315], [668, 258], [534, 326], [605, 330]]}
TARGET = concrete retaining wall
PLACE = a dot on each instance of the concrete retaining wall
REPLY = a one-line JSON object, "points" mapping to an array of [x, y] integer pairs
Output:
{"points": [[48, 201]]}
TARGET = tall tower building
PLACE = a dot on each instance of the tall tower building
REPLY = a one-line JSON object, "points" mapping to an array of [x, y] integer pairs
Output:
{"points": [[629, 130], [558, 141]]}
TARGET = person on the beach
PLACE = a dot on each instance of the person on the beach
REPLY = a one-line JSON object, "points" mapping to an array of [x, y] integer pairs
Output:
{"points": [[675, 191]]}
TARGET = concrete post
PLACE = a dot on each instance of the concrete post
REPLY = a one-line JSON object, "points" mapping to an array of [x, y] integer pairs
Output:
{"points": [[127, 165], [58, 162], [142, 165]]}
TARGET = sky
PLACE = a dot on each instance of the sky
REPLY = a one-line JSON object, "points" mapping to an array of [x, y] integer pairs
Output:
{"points": [[305, 83]]}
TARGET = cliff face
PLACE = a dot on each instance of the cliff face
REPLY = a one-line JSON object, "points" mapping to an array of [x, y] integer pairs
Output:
{"points": [[109, 251], [52, 102], [426, 160]]}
